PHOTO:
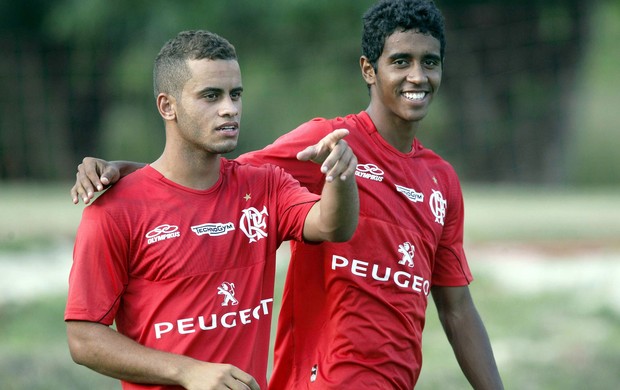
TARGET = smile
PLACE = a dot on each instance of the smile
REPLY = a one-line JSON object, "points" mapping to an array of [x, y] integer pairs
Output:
{"points": [[414, 96]]}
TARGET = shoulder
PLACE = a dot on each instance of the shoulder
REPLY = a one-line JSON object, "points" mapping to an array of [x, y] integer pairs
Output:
{"points": [[434, 160], [247, 171], [130, 188], [329, 124]]}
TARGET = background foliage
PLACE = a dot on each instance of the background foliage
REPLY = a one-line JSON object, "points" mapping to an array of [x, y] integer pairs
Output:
{"points": [[529, 89]]}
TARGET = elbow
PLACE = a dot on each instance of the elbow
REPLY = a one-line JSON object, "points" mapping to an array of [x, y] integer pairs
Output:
{"points": [[343, 233], [80, 348]]}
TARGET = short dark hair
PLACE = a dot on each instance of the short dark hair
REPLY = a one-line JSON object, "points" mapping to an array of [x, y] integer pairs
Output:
{"points": [[385, 17], [170, 72]]}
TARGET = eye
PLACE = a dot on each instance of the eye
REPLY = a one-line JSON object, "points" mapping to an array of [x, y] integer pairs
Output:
{"points": [[401, 62], [211, 96], [235, 95], [432, 62]]}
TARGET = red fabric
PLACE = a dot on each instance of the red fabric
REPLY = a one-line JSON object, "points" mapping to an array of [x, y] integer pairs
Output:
{"points": [[161, 260], [352, 316]]}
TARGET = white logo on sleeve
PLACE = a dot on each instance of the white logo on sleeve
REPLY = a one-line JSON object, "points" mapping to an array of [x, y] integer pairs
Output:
{"points": [[228, 290], [253, 223], [407, 250], [438, 206]]}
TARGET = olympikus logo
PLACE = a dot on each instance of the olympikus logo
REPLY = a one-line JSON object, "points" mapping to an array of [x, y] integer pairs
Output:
{"points": [[162, 232], [213, 229], [369, 171]]}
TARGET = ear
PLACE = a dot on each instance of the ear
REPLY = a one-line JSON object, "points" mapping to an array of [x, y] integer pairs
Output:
{"points": [[368, 71], [166, 105]]}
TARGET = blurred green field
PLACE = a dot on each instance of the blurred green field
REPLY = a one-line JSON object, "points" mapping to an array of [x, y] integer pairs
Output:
{"points": [[546, 263]]}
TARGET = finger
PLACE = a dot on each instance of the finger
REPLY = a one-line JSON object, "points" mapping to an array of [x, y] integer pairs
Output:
{"points": [[344, 167], [74, 194], [110, 175], [309, 153], [245, 379], [90, 168], [84, 186], [341, 162], [335, 136]]}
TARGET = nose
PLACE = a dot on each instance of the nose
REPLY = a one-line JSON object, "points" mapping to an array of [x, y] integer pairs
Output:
{"points": [[416, 74], [229, 108]]}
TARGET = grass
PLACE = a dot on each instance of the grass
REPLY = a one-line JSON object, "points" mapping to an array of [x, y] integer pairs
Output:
{"points": [[545, 262]]}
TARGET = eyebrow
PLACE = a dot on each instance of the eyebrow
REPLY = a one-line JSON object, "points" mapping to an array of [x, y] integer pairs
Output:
{"points": [[218, 90], [396, 56]]}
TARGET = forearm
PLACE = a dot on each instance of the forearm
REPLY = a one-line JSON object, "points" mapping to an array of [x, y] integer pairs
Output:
{"points": [[110, 353], [473, 350], [335, 216], [468, 336], [127, 167], [340, 208]]}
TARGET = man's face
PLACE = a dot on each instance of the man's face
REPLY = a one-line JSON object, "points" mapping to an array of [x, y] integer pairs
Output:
{"points": [[209, 109], [408, 75]]}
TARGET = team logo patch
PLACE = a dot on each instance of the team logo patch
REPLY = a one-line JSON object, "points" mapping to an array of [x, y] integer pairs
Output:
{"points": [[407, 251], [228, 290], [253, 223], [438, 206], [369, 171], [411, 194], [213, 229], [161, 233], [314, 372]]}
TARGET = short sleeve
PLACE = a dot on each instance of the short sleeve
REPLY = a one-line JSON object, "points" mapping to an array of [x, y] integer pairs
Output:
{"points": [[99, 272], [283, 153], [451, 267]]}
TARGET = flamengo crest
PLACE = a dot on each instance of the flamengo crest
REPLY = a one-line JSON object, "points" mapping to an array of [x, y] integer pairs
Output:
{"points": [[253, 223], [438, 206]]}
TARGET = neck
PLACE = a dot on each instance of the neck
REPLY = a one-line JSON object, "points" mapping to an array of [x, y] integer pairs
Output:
{"points": [[189, 170], [396, 131]]}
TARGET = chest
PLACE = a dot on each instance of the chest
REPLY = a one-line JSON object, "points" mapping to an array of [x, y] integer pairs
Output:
{"points": [[180, 239]]}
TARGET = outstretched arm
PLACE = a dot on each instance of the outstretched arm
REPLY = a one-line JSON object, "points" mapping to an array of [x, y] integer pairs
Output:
{"points": [[468, 336], [95, 174], [335, 216], [110, 353]]}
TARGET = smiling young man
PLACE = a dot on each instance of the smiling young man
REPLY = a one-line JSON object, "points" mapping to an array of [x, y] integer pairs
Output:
{"points": [[181, 254], [353, 313], [354, 320]]}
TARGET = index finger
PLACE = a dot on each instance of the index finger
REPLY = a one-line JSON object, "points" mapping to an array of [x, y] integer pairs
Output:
{"points": [[332, 138]]}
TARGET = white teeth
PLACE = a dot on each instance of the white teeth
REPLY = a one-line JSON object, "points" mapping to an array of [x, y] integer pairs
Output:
{"points": [[414, 95]]}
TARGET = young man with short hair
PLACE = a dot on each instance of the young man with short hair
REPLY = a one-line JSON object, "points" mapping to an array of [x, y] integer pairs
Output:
{"points": [[181, 254]]}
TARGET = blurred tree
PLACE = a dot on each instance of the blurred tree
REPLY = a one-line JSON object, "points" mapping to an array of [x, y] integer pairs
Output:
{"points": [[509, 79], [79, 76]]}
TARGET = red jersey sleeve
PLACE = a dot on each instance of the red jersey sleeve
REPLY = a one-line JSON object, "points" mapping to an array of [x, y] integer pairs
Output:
{"points": [[99, 273], [451, 268], [294, 203], [283, 153]]}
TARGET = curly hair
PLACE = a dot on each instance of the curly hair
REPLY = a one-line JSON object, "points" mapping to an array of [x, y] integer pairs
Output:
{"points": [[171, 72], [385, 17]]}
